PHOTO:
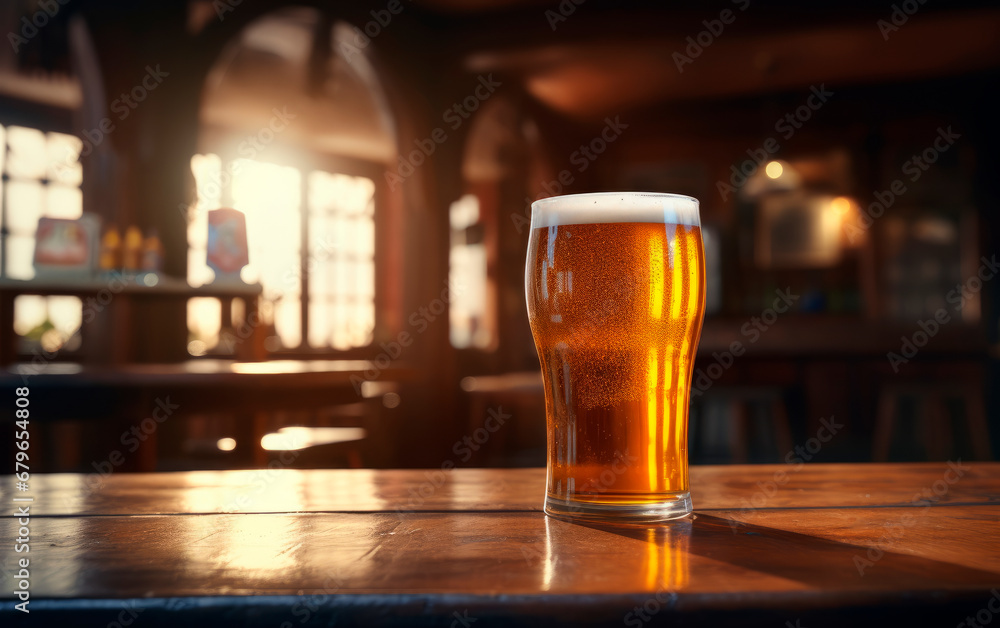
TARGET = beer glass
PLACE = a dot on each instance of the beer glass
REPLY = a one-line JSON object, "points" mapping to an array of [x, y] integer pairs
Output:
{"points": [[615, 287]]}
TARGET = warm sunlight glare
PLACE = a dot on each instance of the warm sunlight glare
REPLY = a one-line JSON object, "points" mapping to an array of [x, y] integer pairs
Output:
{"points": [[340, 254]]}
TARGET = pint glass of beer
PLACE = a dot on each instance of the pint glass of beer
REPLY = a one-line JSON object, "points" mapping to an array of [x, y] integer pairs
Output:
{"points": [[615, 286]]}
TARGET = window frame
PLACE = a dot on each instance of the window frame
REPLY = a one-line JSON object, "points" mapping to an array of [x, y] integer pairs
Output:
{"points": [[44, 181], [45, 119], [308, 161]]}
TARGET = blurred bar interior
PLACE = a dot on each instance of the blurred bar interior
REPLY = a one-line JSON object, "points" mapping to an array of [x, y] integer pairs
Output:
{"points": [[382, 157]]}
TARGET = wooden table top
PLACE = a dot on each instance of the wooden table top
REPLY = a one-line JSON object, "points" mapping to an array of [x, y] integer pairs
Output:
{"points": [[811, 545], [208, 373], [199, 385]]}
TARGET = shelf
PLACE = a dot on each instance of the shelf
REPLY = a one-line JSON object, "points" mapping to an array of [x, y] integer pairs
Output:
{"points": [[800, 335], [120, 283]]}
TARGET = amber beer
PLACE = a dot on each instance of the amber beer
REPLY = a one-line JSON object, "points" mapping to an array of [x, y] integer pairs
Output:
{"points": [[615, 286]]}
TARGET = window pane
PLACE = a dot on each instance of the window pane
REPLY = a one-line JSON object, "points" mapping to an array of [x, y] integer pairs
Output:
{"points": [[44, 178], [64, 202], [337, 231], [365, 318], [321, 279], [66, 314], [3, 160], [29, 313], [467, 312], [20, 251], [343, 282], [321, 193], [25, 200], [340, 193], [341, 326], [288, 322], [319, 324], [322, 239], [270, 196], [50, 321], [204, 315], [63, 157], [464, 212], [339, 259], [342, 237], [365, 245], [206, 170], [28, 153], [366, 279], [322, 251]]}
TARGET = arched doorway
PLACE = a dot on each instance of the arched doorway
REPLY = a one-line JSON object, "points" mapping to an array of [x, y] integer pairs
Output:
{"points": [[295, 134]]}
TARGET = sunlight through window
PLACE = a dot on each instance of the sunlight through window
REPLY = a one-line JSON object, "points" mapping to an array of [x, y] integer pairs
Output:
{"points": [[341, 261], [271, 197], [41, 176], [467, 276], [336, 286]]}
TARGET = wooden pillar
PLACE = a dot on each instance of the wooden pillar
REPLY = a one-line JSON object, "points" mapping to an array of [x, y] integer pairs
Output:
{"points": [[141, 115]]}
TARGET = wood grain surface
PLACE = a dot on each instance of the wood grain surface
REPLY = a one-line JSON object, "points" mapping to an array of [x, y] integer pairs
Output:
{"points": [[819, 545]]}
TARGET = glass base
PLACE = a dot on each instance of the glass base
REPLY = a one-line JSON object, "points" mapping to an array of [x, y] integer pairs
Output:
{"points": [[678, 506]]}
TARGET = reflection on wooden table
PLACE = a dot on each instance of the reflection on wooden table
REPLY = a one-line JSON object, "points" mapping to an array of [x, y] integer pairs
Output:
{"points": [[825, 544]]}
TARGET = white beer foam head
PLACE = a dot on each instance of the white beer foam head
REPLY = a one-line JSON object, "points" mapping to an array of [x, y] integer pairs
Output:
{"points": [[607, 207]]}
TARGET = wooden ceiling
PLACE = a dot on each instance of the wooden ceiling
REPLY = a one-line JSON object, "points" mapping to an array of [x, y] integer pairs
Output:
{"points": [[605, 75], [608, 58]]}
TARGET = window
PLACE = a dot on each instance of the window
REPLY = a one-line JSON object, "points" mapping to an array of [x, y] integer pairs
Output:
{"points": [[41, 176], [323, 299], [341, 261], [468, 276]]}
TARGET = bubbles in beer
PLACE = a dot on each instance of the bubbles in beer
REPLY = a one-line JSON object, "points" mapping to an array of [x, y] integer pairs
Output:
{"points": [[616, 312]]}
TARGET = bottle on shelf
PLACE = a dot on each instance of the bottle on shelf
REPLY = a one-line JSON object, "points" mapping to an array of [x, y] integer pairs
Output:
{"points": [[152, 253], [132, 250], [111, 250]]}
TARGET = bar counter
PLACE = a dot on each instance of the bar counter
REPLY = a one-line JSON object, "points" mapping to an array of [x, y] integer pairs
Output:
{"points": [[771, 545]]}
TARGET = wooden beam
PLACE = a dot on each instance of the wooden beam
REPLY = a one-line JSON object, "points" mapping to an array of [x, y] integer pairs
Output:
{"points": [[590, 80]]}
